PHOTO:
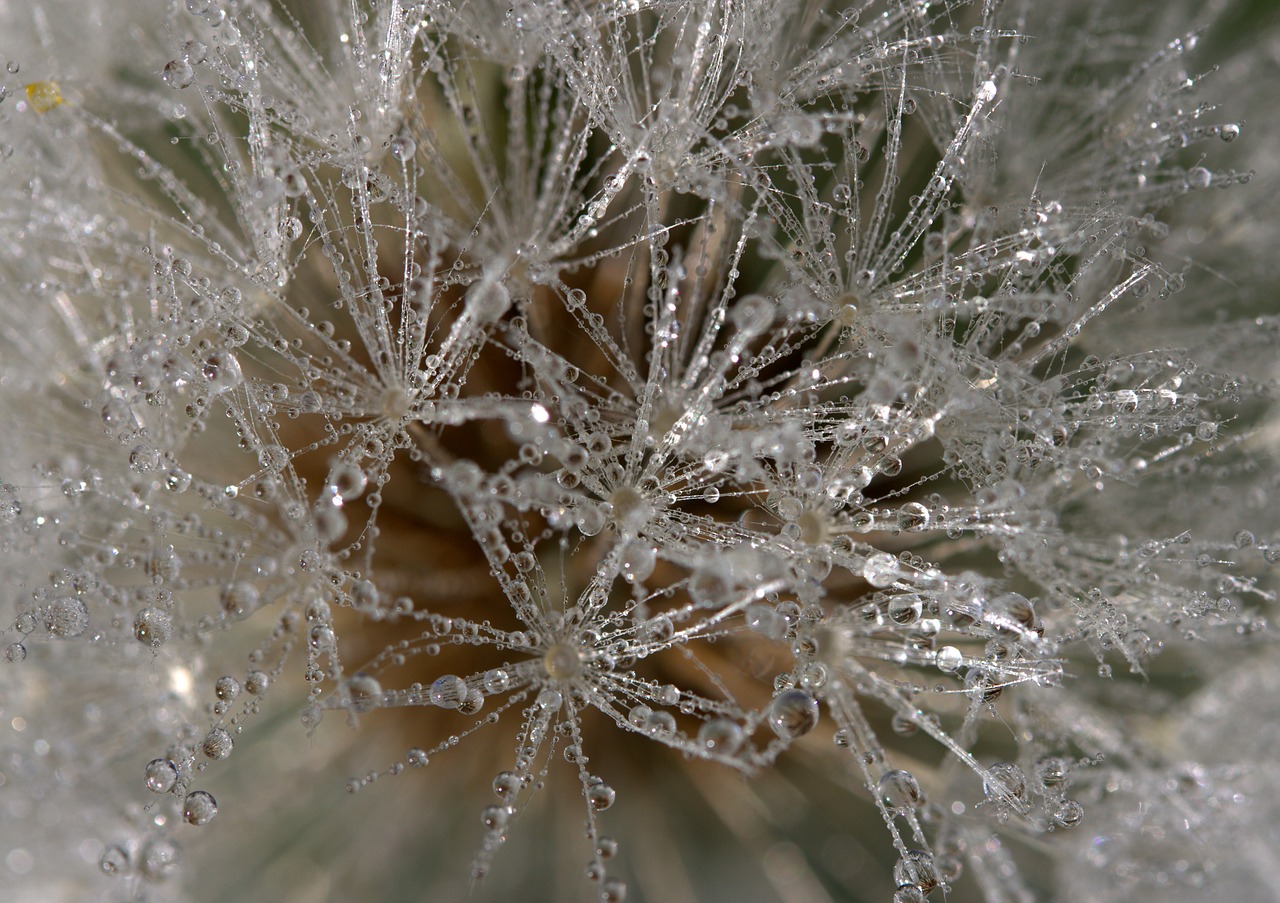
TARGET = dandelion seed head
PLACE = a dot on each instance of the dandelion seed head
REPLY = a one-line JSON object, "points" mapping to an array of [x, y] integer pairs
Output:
{"points": [[546, 386]]}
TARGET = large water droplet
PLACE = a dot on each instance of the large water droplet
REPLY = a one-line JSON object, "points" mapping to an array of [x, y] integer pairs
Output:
{"points": [[199, 808], [601, 796], [217, 744], [721, 736], [793, 714], [67, 617], [448, 692], [899, 791], [161, 775], [178, 74], [880, 569]]}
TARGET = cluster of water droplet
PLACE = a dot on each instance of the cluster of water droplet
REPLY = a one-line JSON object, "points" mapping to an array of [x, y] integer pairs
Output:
{"points": [[727, 409]]}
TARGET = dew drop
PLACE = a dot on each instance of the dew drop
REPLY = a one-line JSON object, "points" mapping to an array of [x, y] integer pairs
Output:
{"points": [[217, 744], [178, 74], [1069, 814], [256, 682], [949, 659], [152, 627], [160, 775], [793, 714], [496, 681], [899, 791], [880, 569], [347, 481], [66, 618], [1199, 177], [403, 148], [160, 859], [720, 736], [917, 868], [637, 560], [660, 724], [199, 808], [448, 692], [495, 818], [114, 861], [1006, 783], [600, 796], [506, 784], [222, 370]]}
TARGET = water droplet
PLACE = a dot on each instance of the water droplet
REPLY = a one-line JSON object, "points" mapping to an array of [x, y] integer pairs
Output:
{"points": [[347, 481], [160, 859], [1229, 132], [600, 796], [720, 736], [660, 724], [908, 893], [905, 609], [637, 560], [177, 480], [1006, 783], [752, 313], [256, 682], [1053, 771], [114, 861], [793, 714], [403, 147], [448, 692], [1069, 814], [496, 681], [365, 692], [1199, 177], [15, 652], [66, 618], [765, 620], [916, 867], [217, 744], [899, 791], [495, 818], [222, 370], [161, 775], [880, 569], [152, 627], [506, 784], [199, 808], [178, 74], [949, 659], [904, 725]]}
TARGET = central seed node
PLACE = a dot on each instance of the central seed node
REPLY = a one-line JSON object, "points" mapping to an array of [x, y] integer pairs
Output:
{"points": [[562, 662]]}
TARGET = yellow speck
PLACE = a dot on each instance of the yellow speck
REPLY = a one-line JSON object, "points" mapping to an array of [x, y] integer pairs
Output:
{"points": [[44, 96]]}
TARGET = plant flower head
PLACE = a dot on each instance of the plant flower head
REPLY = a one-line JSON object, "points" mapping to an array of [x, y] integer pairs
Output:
{"points": [[778, 421]]}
